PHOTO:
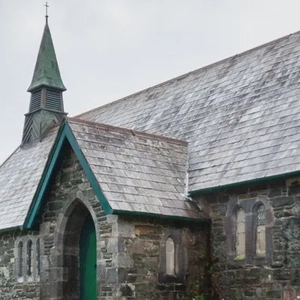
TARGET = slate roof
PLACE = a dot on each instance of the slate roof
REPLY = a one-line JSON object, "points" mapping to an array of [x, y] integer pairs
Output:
{"points": [[137, 172], [240, 116], [19, 178]]}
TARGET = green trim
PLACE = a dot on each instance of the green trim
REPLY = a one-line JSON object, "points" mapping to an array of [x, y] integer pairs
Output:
{"points": [[243, 183], [64, 133], [152, 215], [37, 199]]}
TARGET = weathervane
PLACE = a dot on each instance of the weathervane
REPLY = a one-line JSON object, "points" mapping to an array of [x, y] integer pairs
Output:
{"points": [[46, 5]]}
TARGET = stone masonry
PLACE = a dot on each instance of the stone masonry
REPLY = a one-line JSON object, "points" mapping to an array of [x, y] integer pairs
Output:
{"points": [[275, 276], [130, 249], [10, 286]]}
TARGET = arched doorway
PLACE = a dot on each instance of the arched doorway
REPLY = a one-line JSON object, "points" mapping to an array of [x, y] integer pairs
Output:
{"points": [[79, 254]]}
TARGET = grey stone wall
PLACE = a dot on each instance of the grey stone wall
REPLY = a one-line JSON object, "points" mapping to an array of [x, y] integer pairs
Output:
{"points": [[129, 249], [142, 258], [275, 276], [10, 286]]}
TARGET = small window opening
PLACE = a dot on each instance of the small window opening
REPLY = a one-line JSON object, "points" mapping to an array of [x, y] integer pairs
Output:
{"points": [[261, 230], [29, 258], [20, 259], [170, 257], [38, 264], [240, 234]]}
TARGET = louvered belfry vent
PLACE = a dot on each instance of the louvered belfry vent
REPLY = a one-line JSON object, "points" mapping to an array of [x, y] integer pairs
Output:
{"points": [[53, 100], [35, 101]]}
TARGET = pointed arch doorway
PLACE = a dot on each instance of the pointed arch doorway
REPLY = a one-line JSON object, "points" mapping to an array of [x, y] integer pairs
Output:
{"points": [[79, 254]]}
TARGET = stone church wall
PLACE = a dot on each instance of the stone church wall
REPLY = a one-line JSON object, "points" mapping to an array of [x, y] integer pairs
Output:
{"points": [[131, 251], [142, 259], [275, 275], [11, 286]]}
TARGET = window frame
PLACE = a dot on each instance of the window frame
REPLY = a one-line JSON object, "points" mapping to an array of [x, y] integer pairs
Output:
{"points": [[256, 206], [249, 205], [173, 256], [239, 256], [23, 262], [180, 258]]}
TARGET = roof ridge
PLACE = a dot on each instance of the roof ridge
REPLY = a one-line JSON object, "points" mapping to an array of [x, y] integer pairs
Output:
{"points": [[122, 129], [174, 79]]}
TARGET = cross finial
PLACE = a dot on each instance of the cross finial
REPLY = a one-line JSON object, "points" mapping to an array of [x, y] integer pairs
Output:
{"points": [[46, 5]]}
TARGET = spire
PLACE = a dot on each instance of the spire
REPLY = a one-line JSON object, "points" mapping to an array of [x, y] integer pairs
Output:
{"points": [[46, 104], [46, 70]]}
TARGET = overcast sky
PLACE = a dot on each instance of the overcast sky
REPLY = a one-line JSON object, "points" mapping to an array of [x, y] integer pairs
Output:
{"points": [[109, 49]]}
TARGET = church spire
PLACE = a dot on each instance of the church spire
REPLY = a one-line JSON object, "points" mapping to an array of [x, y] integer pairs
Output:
{"points": [[46, 104], [46, 70]]}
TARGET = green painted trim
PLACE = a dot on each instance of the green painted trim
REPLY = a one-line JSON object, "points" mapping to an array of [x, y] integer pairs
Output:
{"points": [[243, 183], [64, 133], [158, 216], [37, 199]]}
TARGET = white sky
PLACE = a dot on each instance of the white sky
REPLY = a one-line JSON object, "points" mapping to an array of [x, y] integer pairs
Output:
{"points": [[108, 49]]}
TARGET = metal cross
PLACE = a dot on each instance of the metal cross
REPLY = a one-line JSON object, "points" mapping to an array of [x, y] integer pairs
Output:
{"points": [[46, 5]]}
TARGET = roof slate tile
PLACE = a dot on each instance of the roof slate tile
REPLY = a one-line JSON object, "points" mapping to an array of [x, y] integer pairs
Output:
{"points": [[121, 158], [247, 103]]}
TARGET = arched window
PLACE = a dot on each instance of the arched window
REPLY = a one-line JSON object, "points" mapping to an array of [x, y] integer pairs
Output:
{"points": [[38, 262], [29, 258], [20, 259], [240, 234], [260, 239], [170, 257]]}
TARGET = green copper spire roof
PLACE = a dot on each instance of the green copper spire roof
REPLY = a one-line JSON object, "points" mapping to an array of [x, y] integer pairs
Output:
{"points": [[46, 72]]}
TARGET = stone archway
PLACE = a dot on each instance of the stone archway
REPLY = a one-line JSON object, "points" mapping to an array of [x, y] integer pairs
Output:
{"points": [[78, 221]]}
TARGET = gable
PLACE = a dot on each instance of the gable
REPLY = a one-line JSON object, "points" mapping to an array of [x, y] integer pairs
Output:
{"points": [[115, 161], [240, 115], [138, 173], [65, 134]]}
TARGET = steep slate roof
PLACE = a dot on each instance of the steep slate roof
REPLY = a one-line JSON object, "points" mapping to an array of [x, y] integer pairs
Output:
{"points": [[19, 178], [137, 172], [241, 116], [46, 70]]}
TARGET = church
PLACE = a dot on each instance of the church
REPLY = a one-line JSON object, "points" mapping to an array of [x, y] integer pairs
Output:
{"points": [[186, 190]]}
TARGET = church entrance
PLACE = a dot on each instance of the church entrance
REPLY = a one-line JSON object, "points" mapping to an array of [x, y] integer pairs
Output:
{"points": [[87, 260], [79, 254]]}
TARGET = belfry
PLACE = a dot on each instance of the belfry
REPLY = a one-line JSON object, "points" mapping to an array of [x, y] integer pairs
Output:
{"points": [[46, 103]]}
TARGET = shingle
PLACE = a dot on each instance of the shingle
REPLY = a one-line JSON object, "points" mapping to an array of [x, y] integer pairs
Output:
{"points": [[147, 174], [246, 103], [19, 178]]}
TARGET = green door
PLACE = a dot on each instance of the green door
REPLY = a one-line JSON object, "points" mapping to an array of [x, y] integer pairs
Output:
{"points": [[88, 282]]}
